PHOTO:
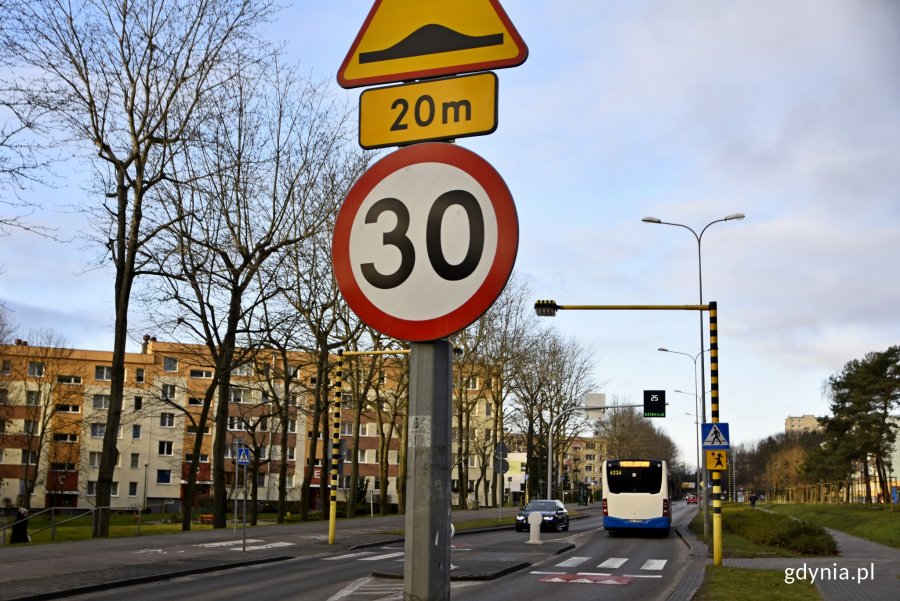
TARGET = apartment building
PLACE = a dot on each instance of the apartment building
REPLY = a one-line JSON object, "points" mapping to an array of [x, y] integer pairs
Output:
{"points": [[802, 423], [53, 404]]}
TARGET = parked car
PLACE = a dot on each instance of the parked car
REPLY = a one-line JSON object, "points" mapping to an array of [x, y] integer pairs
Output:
{"points": [[553, 513], [690, 499]]}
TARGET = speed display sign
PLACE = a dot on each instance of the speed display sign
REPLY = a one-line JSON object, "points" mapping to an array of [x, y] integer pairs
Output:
{"points": [[425, 241]]}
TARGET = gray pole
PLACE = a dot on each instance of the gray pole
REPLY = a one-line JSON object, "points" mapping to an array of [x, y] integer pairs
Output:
{"points": [[245, 509], [426, 570]]}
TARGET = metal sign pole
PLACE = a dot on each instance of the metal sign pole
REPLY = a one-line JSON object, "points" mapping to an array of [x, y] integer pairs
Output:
{"points": [[426, 571], [245, 507]]}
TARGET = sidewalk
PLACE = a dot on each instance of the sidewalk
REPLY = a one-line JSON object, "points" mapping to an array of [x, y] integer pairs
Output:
{"points": [[52, 571], [864, 571]]}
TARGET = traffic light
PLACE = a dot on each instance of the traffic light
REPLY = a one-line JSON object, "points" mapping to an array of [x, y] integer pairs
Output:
{"points": [[546, 308]]}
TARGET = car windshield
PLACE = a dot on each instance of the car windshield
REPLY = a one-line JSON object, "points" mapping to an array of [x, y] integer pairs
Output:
{"points": [[541, 506]]}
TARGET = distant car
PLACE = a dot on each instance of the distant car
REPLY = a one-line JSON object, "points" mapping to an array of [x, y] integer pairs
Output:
{"points": [[553, 513], [690, 499]]}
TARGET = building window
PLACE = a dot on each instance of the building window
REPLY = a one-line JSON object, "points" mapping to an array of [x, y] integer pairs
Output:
{"points": [[292, 426], [170, 364], [167, 420], [62, 467], [101, 401], [488, 409], [98, 430], [94, 459], [30, 427], [472, 383], [290, 453], [165, 447], [92, 488], [68, 379], [139, 375], [192, 429], [68, 409], [136, 431], [132, 489], [347, 428], [103, 372], [195, 401], [204, 457], [168, 392], [32, 398], [5, 367], [135, 460], [29, 457], [204, 374], [138, 403], [36, 369], [60, 437], [239, 395], [4, 396], [163, 476]]}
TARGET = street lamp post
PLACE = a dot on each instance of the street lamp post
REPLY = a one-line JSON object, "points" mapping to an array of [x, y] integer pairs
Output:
{"points": [[704, 497], [699, 238]]}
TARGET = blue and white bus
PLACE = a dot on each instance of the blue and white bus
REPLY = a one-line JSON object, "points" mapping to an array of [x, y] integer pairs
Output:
{"points": [[636, 495]]}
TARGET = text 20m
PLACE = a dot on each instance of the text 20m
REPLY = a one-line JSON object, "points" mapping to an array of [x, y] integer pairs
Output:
{"points": [[425, 109]]}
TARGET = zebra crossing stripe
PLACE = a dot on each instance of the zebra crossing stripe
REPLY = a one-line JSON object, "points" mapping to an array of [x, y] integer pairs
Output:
{"points": [[385, 556], [348, 556], [654, 564], [613, 562], [572, 562]]}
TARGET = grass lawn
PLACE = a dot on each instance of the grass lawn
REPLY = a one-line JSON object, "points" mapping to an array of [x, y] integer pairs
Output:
{"points": [[727, 584], [734, 545], [876, 523]]}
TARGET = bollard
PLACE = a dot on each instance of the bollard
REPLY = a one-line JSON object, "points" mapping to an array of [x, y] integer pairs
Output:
{"points": [[534, 522]]}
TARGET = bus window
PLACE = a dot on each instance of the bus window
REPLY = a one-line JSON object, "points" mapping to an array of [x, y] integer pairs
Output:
{"points": [[635, 479]]}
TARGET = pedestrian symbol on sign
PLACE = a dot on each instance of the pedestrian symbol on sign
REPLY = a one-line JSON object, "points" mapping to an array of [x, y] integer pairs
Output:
{"points": [[243, 456]]}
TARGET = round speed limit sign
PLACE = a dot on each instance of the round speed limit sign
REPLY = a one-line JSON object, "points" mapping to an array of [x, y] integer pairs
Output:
{"points": [[425, 241]]}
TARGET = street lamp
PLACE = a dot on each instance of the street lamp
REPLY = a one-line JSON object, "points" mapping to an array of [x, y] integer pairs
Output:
{"points": [[693, 358], [699, 238]]}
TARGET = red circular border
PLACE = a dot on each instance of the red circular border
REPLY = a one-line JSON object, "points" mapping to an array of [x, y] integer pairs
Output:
{"points": [[494, 282]]}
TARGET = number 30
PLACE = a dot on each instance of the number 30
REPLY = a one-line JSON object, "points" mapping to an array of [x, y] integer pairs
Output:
{"points": [[397, 238]]}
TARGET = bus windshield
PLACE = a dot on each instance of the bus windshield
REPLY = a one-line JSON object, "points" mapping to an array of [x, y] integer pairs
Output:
{"points": [[633, 476]]}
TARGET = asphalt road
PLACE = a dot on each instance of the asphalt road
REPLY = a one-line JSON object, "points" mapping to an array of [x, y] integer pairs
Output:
{"points": [[594, 564]]}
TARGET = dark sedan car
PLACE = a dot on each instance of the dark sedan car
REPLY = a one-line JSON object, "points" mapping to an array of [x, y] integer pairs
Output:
{"points": [[553, 513]]}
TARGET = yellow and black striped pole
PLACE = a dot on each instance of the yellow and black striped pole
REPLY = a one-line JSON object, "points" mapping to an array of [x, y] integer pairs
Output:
{"points": [[335, 448], [714, 405]]}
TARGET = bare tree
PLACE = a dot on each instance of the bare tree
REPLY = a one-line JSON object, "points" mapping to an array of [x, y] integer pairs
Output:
{"points": [[547, 387], [127, 78], [6, 325], [41, 389], [258, 185], [629, 434]]}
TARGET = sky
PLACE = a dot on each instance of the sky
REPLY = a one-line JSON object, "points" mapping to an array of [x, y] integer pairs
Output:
{"points": [[787, 112]]}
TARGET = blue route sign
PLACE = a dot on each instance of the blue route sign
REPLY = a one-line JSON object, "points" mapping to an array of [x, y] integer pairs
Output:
{"points": [[715, 436], [243, 456]]}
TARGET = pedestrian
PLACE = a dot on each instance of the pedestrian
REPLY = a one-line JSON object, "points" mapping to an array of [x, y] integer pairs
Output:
{"points": [[753, 501], [20, 527]]}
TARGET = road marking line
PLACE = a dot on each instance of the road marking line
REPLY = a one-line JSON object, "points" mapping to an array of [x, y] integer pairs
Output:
{"points": [[643, 575], [385, 556], [572, 562], [229, 543], [348, 556], [261, 547], [593, 574], [654, 564], [613, 562]]}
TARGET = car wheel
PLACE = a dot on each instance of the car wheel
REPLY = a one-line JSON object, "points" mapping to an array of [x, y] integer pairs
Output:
{"points": [[566, 527]]}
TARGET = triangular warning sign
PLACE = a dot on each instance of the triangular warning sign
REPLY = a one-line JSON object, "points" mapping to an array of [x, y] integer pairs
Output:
{"points": [[715, 437], [402, 40]]}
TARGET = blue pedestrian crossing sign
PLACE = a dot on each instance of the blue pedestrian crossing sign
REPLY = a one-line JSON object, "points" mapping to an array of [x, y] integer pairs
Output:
{"points": [[715, 436], [243, 456]]}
